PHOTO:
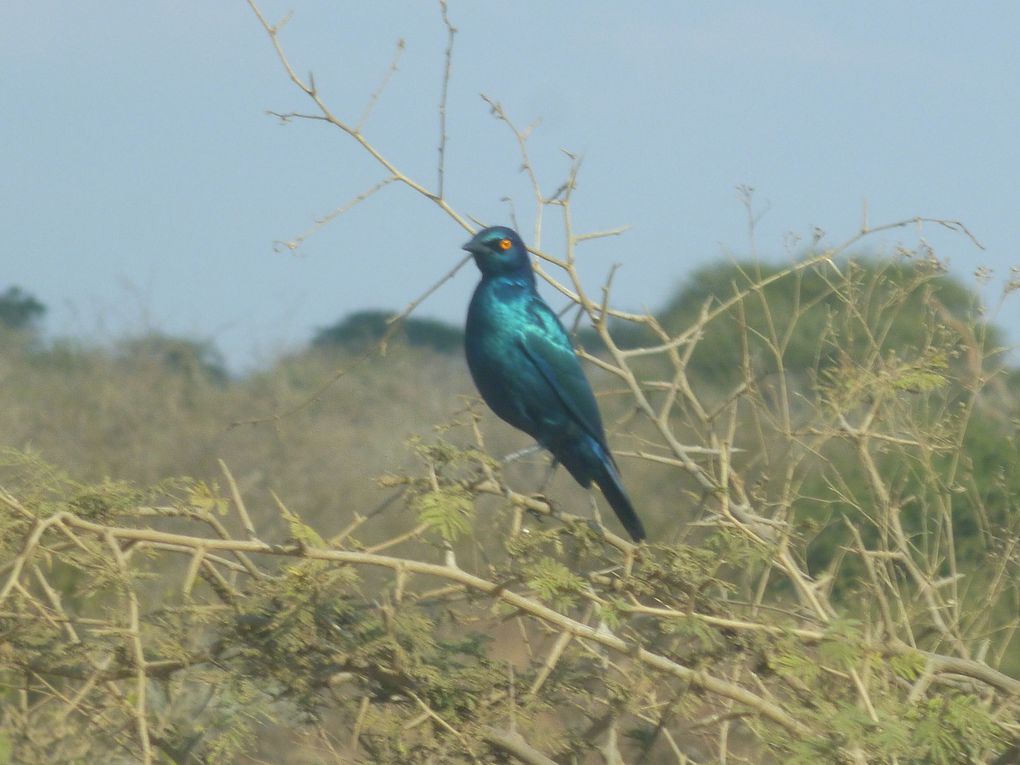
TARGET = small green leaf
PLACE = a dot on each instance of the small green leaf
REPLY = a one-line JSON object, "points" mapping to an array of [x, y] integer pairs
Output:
{"points": [[207, 498], [907, 665], [448, 511], [301, 531], [555, 583]]}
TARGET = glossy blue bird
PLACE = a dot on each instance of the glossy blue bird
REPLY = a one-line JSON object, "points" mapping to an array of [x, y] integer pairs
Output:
{"points": [[526, 369]]}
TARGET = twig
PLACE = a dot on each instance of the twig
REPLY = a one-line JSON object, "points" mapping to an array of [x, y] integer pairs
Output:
{"points": [[374, 98], [450, 32]]}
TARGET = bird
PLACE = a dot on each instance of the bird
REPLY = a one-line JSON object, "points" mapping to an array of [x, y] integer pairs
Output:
{"points": [[527, 371]]}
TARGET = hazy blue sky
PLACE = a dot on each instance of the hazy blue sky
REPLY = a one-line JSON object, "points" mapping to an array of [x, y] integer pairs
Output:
{"points": [[144, 185]]}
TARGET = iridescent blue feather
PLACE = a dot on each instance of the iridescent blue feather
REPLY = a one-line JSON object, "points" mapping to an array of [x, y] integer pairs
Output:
{"points": [[525, 367]]}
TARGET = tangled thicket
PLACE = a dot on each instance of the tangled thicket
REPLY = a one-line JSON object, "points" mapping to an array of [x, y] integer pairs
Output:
{"points": [[845, 590]]}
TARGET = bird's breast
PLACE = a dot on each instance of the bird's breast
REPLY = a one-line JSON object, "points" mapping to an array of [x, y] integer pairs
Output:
{"points": [[492, 346], [497, 312], [492, 327]]}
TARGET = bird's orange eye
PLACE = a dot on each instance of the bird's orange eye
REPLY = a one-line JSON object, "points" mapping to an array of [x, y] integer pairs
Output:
{"points": [[505, 244]]}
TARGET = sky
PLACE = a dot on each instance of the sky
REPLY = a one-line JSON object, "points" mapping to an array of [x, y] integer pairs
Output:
{"points": [[145, 184]]}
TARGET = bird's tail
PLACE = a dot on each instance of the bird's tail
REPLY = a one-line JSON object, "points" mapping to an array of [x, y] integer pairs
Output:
{"points": [[609, 481]]}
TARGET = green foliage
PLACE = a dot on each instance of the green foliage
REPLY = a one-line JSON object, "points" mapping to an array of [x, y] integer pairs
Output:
{"points": [[554, 583], [447, 510], [207, 498], [795, 318], [694, 637], [683, 570], [441, 501], [362, 330], [952, 729], [309, 644], [908, 665], [300, 531], [294, 630], [19, 310]]}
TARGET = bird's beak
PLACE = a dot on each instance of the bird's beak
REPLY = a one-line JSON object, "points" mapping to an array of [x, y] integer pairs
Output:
{"points": [[474, 247]]}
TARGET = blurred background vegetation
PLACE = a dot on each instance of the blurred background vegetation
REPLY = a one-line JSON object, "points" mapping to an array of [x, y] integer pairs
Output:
{"points": [[149, 406]]}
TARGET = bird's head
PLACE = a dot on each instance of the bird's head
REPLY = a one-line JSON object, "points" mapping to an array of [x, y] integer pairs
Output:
{"points": [[498, 250]]}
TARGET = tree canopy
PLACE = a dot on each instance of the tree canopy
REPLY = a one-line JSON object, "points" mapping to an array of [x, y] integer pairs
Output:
{"points": [[19, 310], [360, 330]]}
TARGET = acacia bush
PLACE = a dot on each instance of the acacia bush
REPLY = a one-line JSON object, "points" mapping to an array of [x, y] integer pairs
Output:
{"points": [[468, 620], [833, 575]]}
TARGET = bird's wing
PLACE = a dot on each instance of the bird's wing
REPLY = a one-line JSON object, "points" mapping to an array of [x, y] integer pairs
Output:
{"points": [[546, 344]]}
